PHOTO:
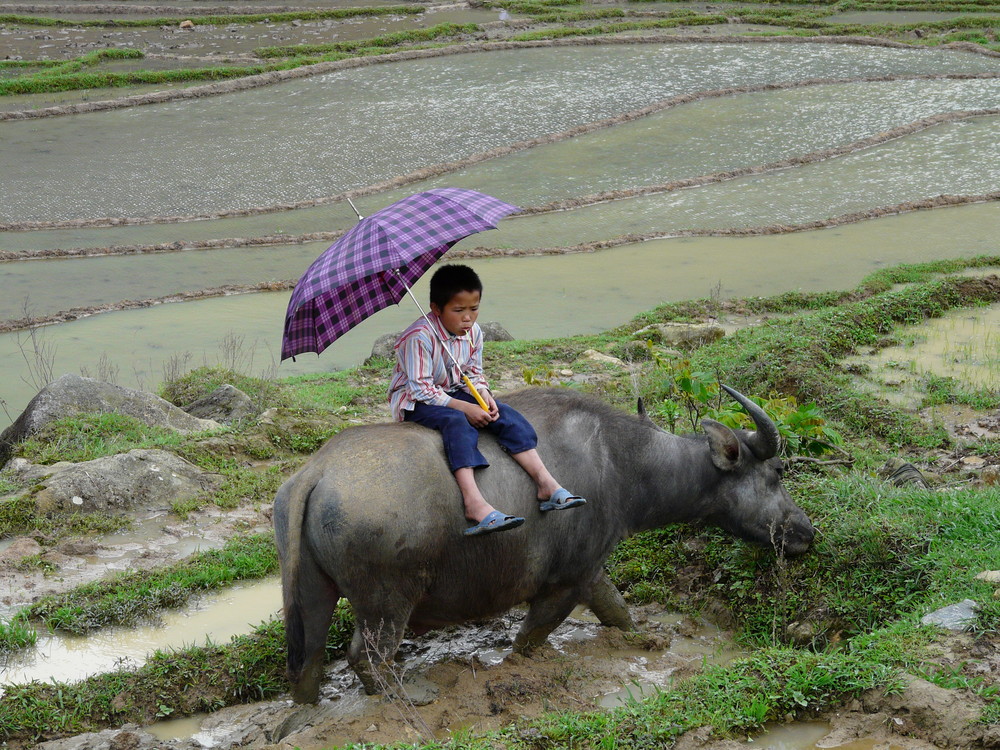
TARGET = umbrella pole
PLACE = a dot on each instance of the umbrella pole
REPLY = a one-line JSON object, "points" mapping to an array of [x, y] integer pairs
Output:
{"points": [[472, 388]]}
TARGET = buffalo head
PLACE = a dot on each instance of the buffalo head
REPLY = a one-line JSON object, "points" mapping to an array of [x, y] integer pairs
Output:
{"points": [[752, 502]]}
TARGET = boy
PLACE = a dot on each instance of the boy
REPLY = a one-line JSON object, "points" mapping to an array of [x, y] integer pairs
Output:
{"points": [[427, 388]]}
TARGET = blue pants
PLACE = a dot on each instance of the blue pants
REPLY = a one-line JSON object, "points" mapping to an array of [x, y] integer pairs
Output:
{"points": [[461, 439]]}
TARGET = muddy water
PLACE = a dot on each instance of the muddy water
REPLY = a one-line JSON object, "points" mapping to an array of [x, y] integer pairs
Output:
{"points": [[215, 618], [534, 297], [430, 111], [962, 344]]}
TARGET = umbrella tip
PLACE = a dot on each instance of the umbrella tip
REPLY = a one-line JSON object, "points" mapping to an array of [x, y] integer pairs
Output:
{"points": [[360, 217]]}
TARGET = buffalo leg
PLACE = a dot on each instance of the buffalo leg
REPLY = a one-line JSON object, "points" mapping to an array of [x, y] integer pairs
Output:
{"points": [[377, 635], [544, 615], [607, 603], [316, 612]]}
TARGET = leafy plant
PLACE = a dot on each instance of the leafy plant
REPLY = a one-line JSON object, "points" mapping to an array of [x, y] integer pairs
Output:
{"points": [[691, 396]]}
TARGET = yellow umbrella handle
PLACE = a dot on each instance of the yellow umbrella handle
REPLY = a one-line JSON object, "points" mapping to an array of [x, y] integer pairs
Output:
{"points": [[475, 393]]}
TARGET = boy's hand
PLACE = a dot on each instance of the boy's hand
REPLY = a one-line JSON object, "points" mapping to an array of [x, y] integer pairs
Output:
{"points": [[475, 414], [494, 410]]}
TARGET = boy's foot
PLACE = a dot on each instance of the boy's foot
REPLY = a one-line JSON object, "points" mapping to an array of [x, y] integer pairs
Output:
{"points": [[495, 521], [560, 500]]}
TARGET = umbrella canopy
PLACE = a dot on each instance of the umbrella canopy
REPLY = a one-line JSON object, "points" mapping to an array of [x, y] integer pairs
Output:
{"points": [[374, 264]]}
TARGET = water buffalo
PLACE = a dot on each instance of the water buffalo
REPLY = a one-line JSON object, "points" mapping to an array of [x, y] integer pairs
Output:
{"points": [[376, 517]]}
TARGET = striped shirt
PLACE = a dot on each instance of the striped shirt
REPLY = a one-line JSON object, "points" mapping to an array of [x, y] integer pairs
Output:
{"points": [[424, 372]]}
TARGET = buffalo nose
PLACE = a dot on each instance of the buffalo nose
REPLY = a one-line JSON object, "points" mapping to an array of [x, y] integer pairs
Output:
{"points": [[799, 534]]}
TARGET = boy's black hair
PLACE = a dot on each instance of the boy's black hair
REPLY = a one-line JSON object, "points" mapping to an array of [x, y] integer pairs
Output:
{"points": [[449, 280]]}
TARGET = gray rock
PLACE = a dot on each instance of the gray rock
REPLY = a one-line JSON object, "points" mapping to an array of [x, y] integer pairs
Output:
{"points": [[683, 335], [493, 331], [955, 617], [901, 473], [225, 404], [127, 481], [383, 346], [73, 394], [129, 737], [17, 550]]}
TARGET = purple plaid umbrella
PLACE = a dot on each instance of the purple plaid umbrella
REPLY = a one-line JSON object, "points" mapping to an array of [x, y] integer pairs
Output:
{"points": [[376, 262]]}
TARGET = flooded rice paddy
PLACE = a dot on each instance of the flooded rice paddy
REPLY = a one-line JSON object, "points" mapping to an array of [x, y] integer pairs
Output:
{"points": [[360, 126], [588, 292], [678, 143]]}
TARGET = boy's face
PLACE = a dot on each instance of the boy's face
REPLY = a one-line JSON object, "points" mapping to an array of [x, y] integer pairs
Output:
{"points": [[460, 312]]}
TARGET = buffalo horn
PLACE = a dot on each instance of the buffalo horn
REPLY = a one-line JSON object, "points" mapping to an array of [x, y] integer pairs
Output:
{"points": [[765, 441]]}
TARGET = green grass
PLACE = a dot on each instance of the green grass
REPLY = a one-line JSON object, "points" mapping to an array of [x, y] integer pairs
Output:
{"points": [[202, 381], [16, 635], [85, 437], [19, 517], [135, 597]]}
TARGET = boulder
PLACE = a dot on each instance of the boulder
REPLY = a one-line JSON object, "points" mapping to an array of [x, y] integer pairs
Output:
{"points": [[384, 346], [683, 335], [17, 550], [128, 737], [493, 331], [139, 479], [225, 404], [957, 617], [73, 394], [607, 359]]}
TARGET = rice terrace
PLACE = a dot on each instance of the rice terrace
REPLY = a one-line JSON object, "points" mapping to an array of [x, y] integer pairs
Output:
{"points": [[798, 199]]}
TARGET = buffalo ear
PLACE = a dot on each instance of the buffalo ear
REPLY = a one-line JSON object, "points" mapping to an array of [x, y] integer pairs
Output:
{"points": [[643, 414], [724, 446]]}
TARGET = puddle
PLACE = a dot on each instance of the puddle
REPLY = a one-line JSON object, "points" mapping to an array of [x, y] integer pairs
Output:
{"points": [[962, 344], [230, 157], [214, 617], [798, 736]]}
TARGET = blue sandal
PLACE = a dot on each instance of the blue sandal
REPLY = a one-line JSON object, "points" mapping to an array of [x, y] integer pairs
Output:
{"points": [[561, 500], [495, 521]]}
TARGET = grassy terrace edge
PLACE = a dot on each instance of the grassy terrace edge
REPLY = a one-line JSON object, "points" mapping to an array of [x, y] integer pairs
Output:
{"points": [[896, 570]]}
